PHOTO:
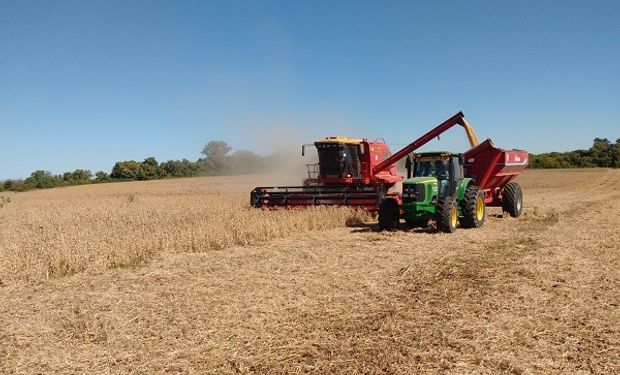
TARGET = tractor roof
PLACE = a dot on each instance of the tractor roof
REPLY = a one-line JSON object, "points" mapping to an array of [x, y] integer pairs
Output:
{"points": [[435, 154]]}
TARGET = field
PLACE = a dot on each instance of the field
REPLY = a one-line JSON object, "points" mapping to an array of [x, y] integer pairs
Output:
{"points": [[181, 276]]}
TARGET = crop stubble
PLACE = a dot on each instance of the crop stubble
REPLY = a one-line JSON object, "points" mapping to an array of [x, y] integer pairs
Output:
{"points": [[537, 294]]}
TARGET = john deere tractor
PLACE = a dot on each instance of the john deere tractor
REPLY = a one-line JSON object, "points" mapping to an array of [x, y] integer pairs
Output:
{"points": [[435, 189]]}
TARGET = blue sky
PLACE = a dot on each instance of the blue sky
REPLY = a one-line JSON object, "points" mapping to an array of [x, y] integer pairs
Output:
{"points": [[86, 83]]}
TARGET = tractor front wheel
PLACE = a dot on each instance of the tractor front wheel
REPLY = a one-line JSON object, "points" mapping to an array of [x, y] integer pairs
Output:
{"points": [[447, 215], [473, 208], [512, 201], [389, 215]]}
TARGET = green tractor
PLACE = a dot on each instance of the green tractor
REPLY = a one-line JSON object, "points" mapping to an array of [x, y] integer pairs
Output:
{"points": [[435, 189]]}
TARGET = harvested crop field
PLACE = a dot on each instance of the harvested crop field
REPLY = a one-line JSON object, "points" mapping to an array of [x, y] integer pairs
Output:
{"points": [[180, 276]]}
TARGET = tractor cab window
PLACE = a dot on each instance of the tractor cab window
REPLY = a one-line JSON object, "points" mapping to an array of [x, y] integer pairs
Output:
{"points": [[438, 168], [442, 173], [338, 160], [424, 168], [442, 168]]}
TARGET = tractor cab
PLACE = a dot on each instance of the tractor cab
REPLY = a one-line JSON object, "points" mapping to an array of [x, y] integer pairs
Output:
{"points": [[445, 167]]}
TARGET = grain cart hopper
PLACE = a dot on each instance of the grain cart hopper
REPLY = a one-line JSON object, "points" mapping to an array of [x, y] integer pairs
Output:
{"points": [[351, 172], [448, 187]]}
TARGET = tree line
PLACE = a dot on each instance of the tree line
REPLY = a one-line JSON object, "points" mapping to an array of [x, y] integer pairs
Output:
{"points": [[217, 161], [602, 154]]}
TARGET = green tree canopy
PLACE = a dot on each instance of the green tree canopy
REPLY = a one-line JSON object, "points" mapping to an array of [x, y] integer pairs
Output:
{"points": [[42, 180], [216, 161], [127, 170]]}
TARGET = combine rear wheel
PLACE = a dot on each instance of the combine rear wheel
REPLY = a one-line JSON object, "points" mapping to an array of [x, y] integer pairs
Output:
{"points": [[388, 215], [512, 201], [473, 208], [447, 215]]}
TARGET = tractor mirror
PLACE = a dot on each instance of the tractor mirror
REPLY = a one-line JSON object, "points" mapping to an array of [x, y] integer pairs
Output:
{"points": [[362, 151]]}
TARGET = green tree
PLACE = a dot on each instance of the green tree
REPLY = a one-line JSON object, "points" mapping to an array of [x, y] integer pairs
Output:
{"points": [[102, 176], [127, 170], [151, 170], [77, 177], [601, 152], [42, 180], [82, 175], [180, 168], [216, 161], [615, 154]]}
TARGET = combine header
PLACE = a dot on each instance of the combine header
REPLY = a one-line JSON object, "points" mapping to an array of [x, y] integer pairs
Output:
{"points": [[351, 172]]}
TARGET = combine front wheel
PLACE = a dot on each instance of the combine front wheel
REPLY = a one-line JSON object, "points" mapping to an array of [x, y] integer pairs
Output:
{"points": [[388, 215], [447, 215], [473, 208], [512, 201]]}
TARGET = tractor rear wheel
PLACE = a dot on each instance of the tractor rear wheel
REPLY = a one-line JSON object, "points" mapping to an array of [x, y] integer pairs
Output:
{"points": [[447, 215], [419, 223], [388, 215], [512, 201], [473, 208]]}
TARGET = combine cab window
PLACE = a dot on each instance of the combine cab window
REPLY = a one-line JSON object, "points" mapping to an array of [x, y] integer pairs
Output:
{"points": [[339, 160]]}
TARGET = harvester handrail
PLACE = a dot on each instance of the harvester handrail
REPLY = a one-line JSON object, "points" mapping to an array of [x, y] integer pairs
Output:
{"points": [[457, 119]]}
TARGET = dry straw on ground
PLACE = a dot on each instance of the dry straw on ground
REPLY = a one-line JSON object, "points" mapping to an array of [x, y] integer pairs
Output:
{"points": [[534, 295], [65, 231]]}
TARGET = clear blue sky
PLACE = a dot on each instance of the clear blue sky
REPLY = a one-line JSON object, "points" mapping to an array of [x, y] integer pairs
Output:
{"points": [[86, 83]]}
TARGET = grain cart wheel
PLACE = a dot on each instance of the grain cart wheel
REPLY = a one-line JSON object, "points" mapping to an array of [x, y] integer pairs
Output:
{"points": [[473, 208], [421, 223], [388, 215], [447, 215], [513, 199]]}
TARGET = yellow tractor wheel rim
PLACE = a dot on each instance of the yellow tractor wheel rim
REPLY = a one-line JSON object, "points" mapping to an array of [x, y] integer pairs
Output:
{"points": [[479, 208], [453, 217]]}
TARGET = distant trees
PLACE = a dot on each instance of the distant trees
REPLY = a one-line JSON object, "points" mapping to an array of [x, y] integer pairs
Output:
{"points": [[180, 168], [42, 180], [218, 161], [149, 169], [77, 177], [127, 170], [102, 176], [603, 154]]}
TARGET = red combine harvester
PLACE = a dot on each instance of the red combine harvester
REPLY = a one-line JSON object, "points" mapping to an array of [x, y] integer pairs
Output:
{"points": [[351, 172]]}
